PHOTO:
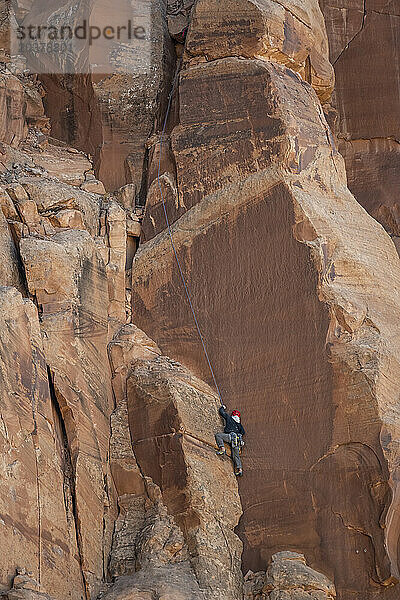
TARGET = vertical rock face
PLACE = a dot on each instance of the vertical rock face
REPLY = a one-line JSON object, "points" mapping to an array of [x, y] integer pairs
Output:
{"points": [[109, 482], [367, 98], [295, 37], [112, 116], [57, 496], [10, 273], [178, 501], [268, 237], [12, 119], [179, 456], [68, 281], [37, 527], [80, 505], [130, 106]]}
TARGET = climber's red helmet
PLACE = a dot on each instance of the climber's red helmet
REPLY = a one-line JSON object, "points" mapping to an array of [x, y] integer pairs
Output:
{"points": [[235, 413]]}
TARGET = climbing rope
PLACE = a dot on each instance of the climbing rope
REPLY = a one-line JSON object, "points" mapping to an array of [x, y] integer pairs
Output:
{"points": [[171, 237]]}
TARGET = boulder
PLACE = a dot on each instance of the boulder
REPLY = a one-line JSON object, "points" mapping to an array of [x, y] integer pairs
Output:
{"points": [[288, 577], [51, 195], [288, 571], [61, 162]]}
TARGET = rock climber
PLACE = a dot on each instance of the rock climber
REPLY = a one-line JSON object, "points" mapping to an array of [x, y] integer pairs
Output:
{"points": [[233, 435]]}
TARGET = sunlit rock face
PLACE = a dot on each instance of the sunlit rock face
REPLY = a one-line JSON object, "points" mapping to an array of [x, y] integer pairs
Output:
{"points": [[270, 241], [109, 482], [289, 32], [90, 501], [57, 315], [178, 501]]}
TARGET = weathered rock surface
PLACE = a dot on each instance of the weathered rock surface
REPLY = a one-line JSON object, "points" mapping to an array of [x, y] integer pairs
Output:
{"points": [[24, 587], [38, 526], [12, 116], [270, 240], [65, 163], [367, 98], [69, 463], [288, 32], [109, 482], [174, 533], [127, 346], [10, 271], [130, 106], [112, 116], [178, 15], [69, 283], [288, 577], [64, 517], [74, 458], [179, 456], [21, 95]]}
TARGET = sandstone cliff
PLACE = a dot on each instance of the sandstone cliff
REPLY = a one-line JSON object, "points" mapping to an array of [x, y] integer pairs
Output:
{"points": [[111, 116], [80, 505], [268, 235], [364, 49], [109, 482]]}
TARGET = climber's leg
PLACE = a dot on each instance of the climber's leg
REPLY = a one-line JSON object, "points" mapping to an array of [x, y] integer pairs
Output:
{"points": [[220, 438], [237, 460]]}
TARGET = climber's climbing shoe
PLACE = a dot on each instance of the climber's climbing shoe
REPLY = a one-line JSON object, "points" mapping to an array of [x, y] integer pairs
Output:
{"points": [[238, 472], [221, 451]]}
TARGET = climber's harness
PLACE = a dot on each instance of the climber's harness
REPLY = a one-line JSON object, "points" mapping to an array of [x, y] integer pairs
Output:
{"points": [[236, 440]]}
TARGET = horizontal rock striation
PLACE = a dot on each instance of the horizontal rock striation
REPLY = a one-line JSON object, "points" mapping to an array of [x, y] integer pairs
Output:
{"points": [[288, 32]]}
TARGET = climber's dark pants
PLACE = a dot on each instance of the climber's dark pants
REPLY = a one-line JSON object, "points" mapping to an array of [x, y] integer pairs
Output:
{"points": [[220, 438]]}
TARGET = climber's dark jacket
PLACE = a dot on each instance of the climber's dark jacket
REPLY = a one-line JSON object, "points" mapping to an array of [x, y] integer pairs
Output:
{"points": [[230, 424]]}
